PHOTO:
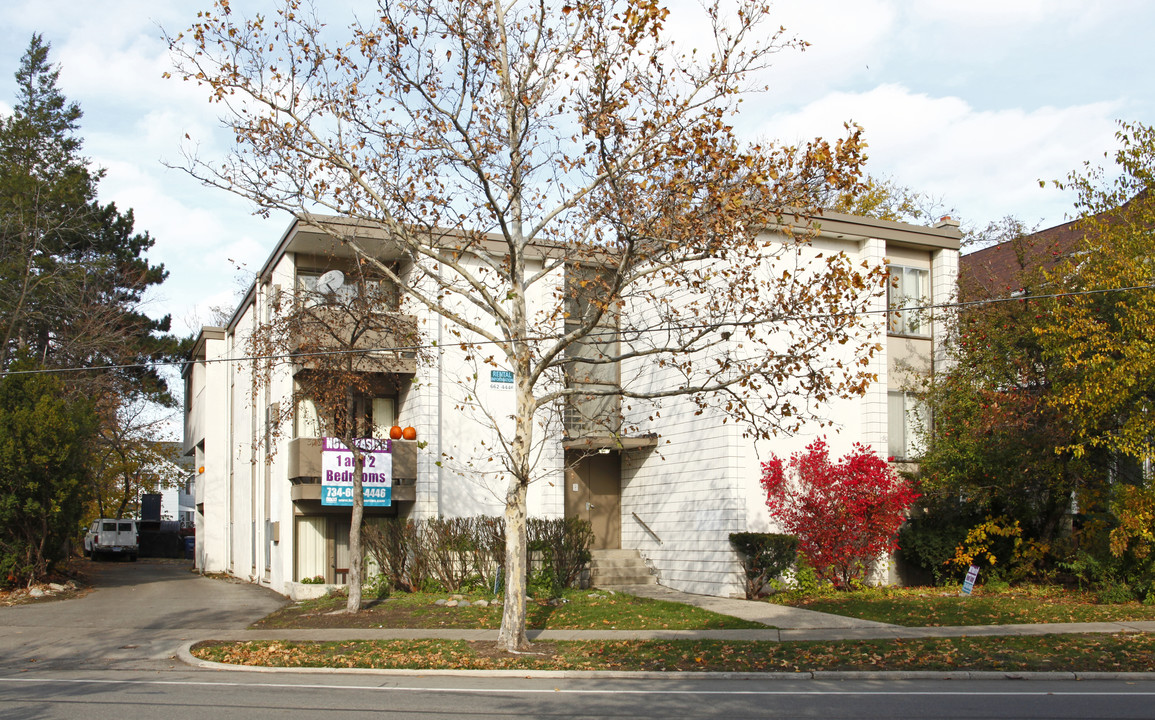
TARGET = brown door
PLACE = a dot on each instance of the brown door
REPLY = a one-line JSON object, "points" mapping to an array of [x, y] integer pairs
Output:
{"points": [[594, 492]]}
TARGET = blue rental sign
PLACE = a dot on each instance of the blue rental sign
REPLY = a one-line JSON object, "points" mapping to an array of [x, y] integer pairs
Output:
{"points": [[501, 379], [337, 467]]}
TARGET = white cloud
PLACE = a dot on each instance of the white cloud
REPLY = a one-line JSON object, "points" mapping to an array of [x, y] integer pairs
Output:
{"points": [[847, 40], [1002, 14], [987, 164], [1006, 89]]}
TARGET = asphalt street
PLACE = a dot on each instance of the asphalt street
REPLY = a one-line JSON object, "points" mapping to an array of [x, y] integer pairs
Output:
{"points": [[227, 694], [114, 654]]}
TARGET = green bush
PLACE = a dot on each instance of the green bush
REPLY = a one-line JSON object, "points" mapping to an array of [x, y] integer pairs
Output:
{"points": [[564, 547], [806, 579], [45, 436], [765, 556], [376, 586], [1115, 593], [927, 541]]}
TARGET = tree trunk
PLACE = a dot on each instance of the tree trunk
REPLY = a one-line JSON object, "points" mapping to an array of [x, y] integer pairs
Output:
{"points": [[355, 554], [512, 637], [354, 581]]}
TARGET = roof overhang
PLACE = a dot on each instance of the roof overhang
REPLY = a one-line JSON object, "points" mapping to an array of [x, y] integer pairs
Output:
{"points": [[608, 442]]}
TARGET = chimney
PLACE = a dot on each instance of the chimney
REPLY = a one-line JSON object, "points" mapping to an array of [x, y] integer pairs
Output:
{"points": [[946, 221]]}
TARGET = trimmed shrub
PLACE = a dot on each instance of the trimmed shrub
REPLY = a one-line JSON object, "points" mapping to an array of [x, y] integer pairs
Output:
{"points": [[765, 556]]}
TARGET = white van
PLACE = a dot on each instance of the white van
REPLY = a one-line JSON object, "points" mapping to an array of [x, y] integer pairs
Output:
{"points": [[112, 537]]}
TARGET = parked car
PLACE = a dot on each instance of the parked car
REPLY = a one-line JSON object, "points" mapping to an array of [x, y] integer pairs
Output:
{"points": [[112, 537]]}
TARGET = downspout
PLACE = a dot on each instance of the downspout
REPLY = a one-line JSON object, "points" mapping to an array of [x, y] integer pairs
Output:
{"points": [[440, 395], [254, 452], [228, 450]]}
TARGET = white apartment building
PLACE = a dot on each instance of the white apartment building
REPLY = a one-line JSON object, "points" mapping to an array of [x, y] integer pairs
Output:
{"points": [[674, 490]]}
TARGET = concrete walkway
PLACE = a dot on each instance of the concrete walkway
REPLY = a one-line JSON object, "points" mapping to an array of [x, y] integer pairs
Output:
{"points": [[779, 616]]}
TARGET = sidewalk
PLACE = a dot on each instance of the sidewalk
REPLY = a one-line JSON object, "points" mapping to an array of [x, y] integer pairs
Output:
{"points": [[784, 624], [789, 624]]}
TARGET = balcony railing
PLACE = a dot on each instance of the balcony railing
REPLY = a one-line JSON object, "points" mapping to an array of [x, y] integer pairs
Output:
{"points": [[383, 344]]}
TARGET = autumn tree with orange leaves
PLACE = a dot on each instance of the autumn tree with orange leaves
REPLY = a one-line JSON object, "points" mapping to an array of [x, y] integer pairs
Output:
{"points": [[568, 194]]}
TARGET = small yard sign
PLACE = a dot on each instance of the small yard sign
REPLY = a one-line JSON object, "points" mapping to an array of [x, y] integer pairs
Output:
{"points": [[337, 473], [969, 583]]}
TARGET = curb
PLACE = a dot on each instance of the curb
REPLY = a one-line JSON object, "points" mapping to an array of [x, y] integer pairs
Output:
{"points": [[184, 653]]}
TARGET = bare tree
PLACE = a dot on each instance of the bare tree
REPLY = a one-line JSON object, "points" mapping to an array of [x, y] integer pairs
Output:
{"points": [[567, 193]]}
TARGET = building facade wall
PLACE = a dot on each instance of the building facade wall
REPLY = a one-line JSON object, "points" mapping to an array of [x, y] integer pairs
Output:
{"points": [[680, 500]]}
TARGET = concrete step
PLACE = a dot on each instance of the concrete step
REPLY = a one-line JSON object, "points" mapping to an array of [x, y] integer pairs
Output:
{"points": [[615, 554], [612, 568], [617, 578]]}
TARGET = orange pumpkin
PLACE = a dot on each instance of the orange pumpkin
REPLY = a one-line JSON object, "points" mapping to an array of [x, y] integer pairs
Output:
{"points": [[395, 432], [409, 433]]}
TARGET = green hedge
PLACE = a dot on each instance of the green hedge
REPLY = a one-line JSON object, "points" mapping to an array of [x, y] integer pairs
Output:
{"points": [[765, 556]]}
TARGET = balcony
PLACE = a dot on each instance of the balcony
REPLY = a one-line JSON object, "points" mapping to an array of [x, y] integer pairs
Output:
{"points": [[385, 342], [592, 416]]}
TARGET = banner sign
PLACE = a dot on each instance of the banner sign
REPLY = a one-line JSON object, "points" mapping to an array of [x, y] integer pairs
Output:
{"points": [[337, 465]]}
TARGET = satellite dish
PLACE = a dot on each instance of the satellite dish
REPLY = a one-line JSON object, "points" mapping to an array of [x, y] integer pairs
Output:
{"points": [[330, 282]]}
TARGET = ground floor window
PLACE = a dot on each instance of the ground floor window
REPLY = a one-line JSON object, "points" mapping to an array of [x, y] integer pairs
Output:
{"points": [[322, 547]]}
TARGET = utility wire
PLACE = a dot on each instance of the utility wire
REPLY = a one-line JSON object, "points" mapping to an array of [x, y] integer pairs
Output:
{"points": [[595, 334]]}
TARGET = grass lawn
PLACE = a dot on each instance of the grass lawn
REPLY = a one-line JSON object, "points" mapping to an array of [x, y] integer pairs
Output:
{"points": [[1083, 653], [942, 606], [583, 610]]}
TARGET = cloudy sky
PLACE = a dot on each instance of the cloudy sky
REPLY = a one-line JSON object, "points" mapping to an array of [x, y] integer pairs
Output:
{"points": [[972, 102]]}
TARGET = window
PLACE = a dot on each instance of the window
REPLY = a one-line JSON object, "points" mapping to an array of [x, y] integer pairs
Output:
{"points": [[306, 423], [379, 292], [382, 416], [908, 424], [907, 292], [375, 415]]}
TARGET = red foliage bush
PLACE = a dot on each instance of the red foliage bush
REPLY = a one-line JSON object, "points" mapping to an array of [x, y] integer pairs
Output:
{"points": [[845, 513]]}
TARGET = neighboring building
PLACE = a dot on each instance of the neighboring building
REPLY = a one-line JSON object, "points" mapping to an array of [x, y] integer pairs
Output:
{"points": [[1003, 269], [177, 492], [674, 490]]}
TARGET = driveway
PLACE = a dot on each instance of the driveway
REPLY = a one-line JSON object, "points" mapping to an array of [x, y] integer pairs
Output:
{"points": [[137, 616]]}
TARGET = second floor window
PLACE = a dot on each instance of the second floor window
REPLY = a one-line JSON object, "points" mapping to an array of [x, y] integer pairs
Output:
{"points": [[381, 294], [908, 294], [375, 415]]}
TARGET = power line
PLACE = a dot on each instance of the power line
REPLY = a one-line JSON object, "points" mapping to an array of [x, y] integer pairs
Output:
{"points": [[612, 333]]}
